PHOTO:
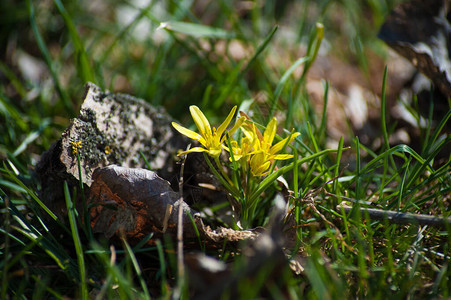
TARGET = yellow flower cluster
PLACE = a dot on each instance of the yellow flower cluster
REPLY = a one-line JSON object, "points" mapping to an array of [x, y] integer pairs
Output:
{"points": [[254, 150], [75, 146]]}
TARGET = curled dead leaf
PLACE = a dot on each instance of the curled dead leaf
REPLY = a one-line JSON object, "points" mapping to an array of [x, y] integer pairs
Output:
{"points": [[135, 201]]}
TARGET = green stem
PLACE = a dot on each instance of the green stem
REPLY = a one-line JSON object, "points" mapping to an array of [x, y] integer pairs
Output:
{"points": [[235, 193], [221, 169], [272, 177]]}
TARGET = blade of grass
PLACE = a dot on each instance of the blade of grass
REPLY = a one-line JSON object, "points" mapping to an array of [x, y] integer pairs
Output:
{"points": [[141, 243], [312, 52], [125, 31], [337, 169], [323, 125], [137, 268], [272, 177], [12, 186], [85, 71], [290, 111], [428, 123], [260, 49], [196, 232], [48, 60], [282, 83], [375, 162], [358, 192], [29, 192], [437, 131], [8, 73], [402, 185], [48, 289], [442, 172], [233, 190], [423, 164], [11, 236], [228, 85], [315, 144], [383, 117], [48, 248], [196, 30], [296, 174], [162, 265], [31, 137], [77, 242], [9, 110], [86, 218], [315, 272], [124, 286]]}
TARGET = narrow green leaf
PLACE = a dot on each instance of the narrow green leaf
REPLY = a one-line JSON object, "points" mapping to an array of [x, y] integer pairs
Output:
{"points": [[323, 126], [196, 30], [77, 241], [30, 192], [272, 177], [86, 72], [48, 60], [438, 130], [34, 235], [337, 170], [137, 268], [31, 137], [260, 48], [282, 82]]}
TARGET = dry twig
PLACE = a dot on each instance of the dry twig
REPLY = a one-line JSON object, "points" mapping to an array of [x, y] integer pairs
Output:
{"points": [[396, 217]]}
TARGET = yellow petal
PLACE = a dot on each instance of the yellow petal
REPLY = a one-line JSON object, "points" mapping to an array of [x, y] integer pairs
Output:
{"points": [[214, 152], [195, 149], [279, 146], [189, 133], [237, 125], [249, 134], [250, 127], [259, 141], [224, 124], [260, 170], [201, 121], [237, 157], [258, 159], [281, 156], [247, 145], [270, 131]]}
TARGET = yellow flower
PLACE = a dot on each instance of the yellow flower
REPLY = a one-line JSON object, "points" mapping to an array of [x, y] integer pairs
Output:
{"points": [[264, 152], [210, 138], [260, 163], [241, 151], [108, 150], [75, 146]]}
